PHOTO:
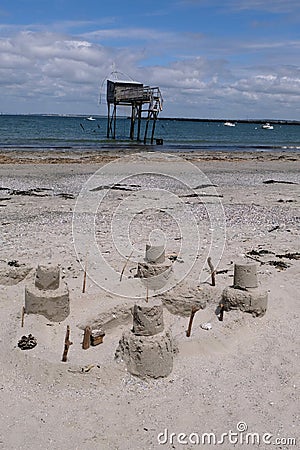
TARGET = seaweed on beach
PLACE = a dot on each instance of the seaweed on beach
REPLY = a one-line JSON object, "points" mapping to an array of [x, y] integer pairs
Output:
{"points": [[66, 195], [35, 192], [203, 186], [255, 254], [278, 181], [279, 264], [38, 192], [295, 255], [201, 195], [117, 187], [260, 252]]}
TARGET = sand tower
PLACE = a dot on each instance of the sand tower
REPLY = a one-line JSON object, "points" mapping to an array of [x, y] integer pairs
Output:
{"points": [[48, 295], [147, 349], [245, 294]]}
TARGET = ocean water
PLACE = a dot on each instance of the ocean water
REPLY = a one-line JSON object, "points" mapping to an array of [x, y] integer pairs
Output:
{"points": [[41, 132]]}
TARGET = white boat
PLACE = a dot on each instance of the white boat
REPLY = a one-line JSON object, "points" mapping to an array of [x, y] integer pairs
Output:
{"points": [[229, 124], [267, 126], [90, 118]]}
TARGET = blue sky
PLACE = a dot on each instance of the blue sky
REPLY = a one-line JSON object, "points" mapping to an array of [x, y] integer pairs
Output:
{"points": [[210, 58]]}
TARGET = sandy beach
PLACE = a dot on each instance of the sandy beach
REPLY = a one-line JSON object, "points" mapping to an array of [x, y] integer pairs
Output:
{"points": [[242, 375]]}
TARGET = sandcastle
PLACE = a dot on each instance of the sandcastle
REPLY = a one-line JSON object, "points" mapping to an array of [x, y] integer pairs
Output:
{"points": [[147, 349], [48, 295], [245, 293], [155, 253], [155, 271]]}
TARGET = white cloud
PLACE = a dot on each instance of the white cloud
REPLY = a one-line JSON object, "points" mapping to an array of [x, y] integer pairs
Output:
{"points": [[121, 33], [274, 6], [55, 72]]}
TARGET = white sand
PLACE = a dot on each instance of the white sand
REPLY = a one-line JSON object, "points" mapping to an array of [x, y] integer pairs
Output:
{"points": [[243, 369]]}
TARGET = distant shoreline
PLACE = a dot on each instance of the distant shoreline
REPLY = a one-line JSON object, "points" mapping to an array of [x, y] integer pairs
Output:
{"points": [[271, 121], [161, 118]]}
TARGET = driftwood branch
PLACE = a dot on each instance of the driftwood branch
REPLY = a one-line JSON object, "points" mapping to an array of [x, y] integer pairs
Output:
{"points": [[193, 312], [67, 345], [212, 271], [254, 259]]}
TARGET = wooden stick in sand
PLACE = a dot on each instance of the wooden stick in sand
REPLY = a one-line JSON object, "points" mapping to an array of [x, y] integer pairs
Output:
{"points": [[84, 277], [193, 312], [22, 316], [67, 345], [212, 271], [124, 267], [86, 338], [221, 316]]}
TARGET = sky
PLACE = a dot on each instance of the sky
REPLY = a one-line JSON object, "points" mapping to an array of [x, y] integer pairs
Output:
{"points": [[233, 59]]}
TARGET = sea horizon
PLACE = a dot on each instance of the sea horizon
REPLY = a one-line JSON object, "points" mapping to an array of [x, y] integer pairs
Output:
{"points": [[40, 132]]}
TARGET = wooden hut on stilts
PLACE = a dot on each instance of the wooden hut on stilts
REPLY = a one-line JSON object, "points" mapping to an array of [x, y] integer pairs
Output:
{"points": [[145, 102]]}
